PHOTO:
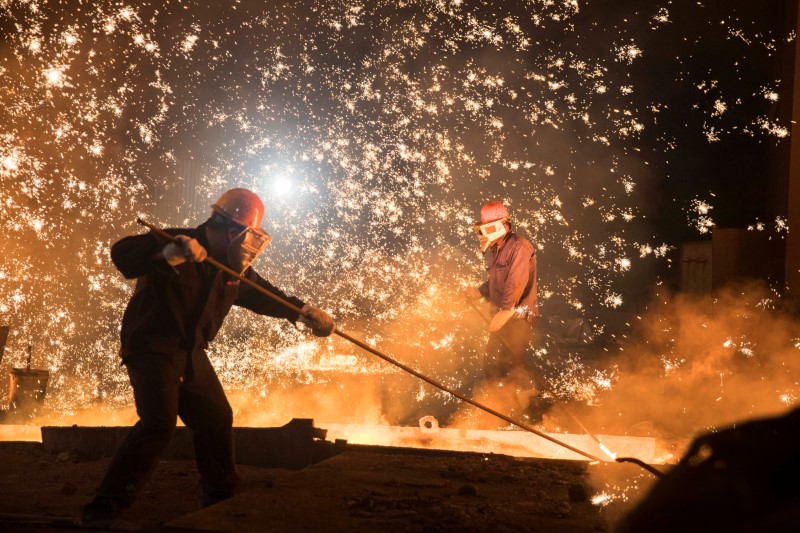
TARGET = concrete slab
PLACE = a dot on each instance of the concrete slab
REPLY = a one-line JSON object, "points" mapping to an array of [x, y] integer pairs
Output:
{"points": [[294, 445], [299, 443]]}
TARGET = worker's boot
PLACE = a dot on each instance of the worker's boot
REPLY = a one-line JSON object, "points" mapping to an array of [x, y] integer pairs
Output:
{"points": [[105, 514], [207, 499]]}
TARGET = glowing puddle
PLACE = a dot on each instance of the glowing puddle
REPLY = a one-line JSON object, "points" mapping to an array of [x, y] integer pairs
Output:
{"points": [[20, 433], [515, 443]]}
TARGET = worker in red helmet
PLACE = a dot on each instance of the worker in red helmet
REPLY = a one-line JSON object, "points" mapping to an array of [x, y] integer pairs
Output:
{"points": [[176, 309], [511, 291]]}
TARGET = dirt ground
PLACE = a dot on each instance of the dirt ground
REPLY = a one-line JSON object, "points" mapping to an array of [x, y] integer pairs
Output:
{"points": [[362, 489]]}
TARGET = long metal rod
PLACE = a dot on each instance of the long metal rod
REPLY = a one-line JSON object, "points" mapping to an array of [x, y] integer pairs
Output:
{"points": [[161, 233], [546, 387]]}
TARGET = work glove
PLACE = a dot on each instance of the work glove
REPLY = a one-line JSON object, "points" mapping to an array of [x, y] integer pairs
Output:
{"points": [[240, 257], [319, 321], [499, 319], [471, 293], [526, 396], [183, 249]]}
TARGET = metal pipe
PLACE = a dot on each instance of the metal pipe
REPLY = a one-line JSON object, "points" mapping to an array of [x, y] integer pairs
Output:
{"points": [[161, 233], [659, 474]]}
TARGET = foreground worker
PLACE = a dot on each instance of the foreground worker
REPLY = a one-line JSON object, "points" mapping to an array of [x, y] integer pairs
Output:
{"points": [[511, 291], [177, 307]]}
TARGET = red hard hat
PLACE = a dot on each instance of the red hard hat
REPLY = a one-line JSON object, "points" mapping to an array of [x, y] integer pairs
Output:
{"points": [[241, 206], [492, 211]]}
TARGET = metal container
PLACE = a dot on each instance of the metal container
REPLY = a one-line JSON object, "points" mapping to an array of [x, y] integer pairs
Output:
{"points": [[3, 339], [27, 390]]}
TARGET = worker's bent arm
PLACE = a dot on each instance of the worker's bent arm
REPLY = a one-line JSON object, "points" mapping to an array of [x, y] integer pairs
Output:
{"points": [[517, 277], [139, 255], [253, 300], [484, 289]]}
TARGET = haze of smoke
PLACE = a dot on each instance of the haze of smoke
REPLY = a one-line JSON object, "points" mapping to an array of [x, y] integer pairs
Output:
{"points": [[701, 364]]}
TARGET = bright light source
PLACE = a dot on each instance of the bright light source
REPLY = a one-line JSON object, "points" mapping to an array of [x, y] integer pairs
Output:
{"points": [[282, 185]]}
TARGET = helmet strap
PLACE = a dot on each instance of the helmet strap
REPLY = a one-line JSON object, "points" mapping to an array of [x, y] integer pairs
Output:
{"points": [[216, 222], [222, 223]]}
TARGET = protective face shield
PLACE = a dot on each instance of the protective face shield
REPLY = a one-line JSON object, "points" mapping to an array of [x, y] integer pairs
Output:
{"points": [[489, 233], [245, 247], [240, 212]]}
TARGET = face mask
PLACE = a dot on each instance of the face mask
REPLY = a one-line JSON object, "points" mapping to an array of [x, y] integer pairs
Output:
{"points": [[245, 247], [489, 233]]}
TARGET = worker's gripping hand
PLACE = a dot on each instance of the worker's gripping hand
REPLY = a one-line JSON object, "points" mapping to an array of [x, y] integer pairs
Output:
{"points": [[500, 318], [471, 293], [184, 249], [319, 321]]}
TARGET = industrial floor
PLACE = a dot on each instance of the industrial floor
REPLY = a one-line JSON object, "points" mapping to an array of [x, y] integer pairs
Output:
{"points": [[360, 488]]}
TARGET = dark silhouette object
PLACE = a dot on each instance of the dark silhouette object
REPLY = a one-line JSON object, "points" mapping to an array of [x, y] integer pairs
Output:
{"points": [[3, 338], [745, 478]]}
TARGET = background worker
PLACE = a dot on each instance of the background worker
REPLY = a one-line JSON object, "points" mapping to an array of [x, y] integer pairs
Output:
{"points": [[176, 309], [511, 291]]}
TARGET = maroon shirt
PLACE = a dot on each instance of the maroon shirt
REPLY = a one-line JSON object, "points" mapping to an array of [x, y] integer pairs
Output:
{"points": [[512, 275]]}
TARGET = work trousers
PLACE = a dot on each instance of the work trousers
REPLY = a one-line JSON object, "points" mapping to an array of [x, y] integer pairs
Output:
{"points": [[504, 358], [163, 389]]}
